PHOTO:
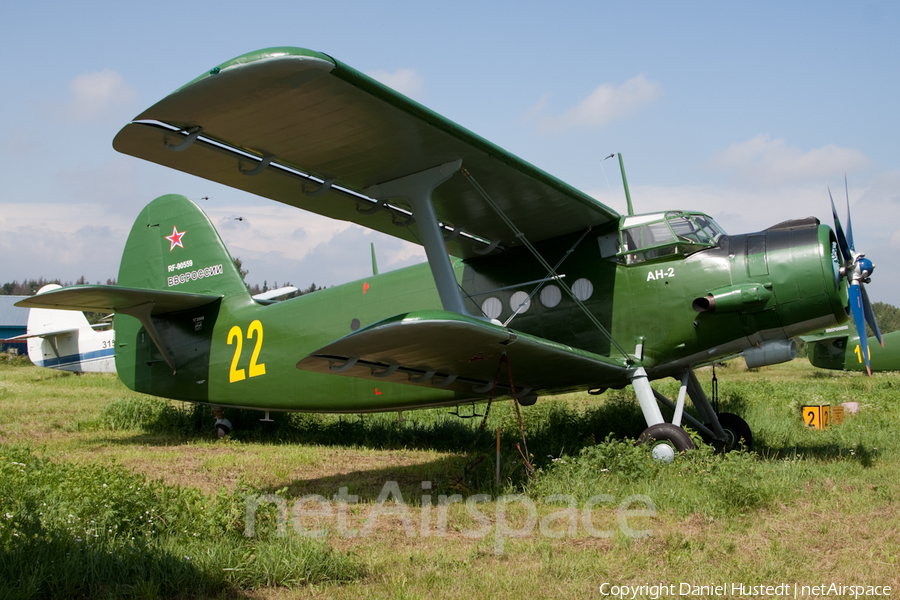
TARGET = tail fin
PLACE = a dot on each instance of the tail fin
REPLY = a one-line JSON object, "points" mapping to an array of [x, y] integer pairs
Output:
{"points": [[47, 321], [167, 299], [173, 246], [173, 249]]}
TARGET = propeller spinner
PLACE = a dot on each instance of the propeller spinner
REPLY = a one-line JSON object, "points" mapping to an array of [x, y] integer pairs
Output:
{"points": [[857, 269]]}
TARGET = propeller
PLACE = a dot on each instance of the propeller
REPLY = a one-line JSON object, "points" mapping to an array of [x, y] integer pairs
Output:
{"points": [[857, 269]]}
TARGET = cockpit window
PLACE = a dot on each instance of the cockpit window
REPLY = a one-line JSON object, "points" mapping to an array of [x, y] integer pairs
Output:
{"points": [[695, 228], [654, 236]]}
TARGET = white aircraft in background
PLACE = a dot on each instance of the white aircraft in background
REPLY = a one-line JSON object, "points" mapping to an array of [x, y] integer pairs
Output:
{"points": [[64, 340]]}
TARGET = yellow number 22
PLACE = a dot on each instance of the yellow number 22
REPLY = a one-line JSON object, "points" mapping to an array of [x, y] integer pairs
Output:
{"points": [[236, 335]]}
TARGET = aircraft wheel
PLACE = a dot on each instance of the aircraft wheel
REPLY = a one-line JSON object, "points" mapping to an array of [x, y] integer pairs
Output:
{"points": [[666, 440], [223, 428], [737, 430]]}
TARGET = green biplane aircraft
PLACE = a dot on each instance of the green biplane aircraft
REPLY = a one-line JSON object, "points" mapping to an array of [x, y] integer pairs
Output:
{"points": [[567, 292], [839, 349]]}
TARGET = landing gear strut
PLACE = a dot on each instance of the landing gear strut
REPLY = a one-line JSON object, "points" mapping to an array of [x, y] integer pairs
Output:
{"points": [[726, 430]]}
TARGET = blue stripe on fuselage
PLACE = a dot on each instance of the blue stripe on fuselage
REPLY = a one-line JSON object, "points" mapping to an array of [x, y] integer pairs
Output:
{"points": [[71, 359]]}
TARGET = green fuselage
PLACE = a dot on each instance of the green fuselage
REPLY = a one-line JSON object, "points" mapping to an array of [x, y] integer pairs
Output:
{"points": [[238, 352]]}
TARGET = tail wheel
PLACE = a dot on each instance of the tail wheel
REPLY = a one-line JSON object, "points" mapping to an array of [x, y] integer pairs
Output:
{"points": [[737, 432], [666, 440], [223, 428]]}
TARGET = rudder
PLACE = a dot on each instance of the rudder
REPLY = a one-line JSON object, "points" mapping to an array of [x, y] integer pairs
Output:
{"points": [[174, 246]]}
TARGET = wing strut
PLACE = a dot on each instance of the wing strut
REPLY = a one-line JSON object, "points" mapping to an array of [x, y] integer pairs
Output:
{"points": [[417, 189], [550, 270]]}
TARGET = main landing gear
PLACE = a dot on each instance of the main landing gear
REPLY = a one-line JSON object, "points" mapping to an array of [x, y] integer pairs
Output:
{"points": [[726, 430], [737, 432]]}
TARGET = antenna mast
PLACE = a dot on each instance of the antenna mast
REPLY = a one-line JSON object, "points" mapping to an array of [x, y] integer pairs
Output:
{"points": [[625, 183]]}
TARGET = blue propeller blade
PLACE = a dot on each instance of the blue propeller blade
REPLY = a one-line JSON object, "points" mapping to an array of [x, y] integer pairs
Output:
{"points": [[849, 224], [842, 241], [870, 315], [856, 308]]}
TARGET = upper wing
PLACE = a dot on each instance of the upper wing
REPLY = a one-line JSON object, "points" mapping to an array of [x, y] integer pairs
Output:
{"points": [[460, 353], [302, 128]]}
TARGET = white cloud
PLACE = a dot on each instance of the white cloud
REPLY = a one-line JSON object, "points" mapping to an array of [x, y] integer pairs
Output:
{"points": [[405, 81], [605, 104], [67, 240], [885, 189], [766, 161], [281, 243], [61, 240], [272, 227], [93, 94]]}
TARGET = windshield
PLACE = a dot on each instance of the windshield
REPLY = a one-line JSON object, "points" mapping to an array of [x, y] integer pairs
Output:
{"points": [[667, 234], [694, 228]]}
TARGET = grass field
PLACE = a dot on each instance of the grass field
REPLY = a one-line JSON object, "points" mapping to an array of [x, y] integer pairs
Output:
{"points": [[108, 493]]}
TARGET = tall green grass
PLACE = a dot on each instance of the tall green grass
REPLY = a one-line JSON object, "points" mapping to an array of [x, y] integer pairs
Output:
{"points": [[570, 442], [99, 531], [754, 516]]}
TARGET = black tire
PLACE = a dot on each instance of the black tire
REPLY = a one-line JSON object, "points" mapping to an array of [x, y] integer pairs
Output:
{"points": [[666, 433], [222, 430], [528, 400], [737, 430]]}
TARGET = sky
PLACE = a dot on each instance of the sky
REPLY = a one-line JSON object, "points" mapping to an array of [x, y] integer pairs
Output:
{"points": [[740, 110]]}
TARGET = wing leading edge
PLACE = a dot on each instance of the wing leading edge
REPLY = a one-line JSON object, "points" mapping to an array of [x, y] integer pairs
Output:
{"points": [[460, 353], [304, 129]]}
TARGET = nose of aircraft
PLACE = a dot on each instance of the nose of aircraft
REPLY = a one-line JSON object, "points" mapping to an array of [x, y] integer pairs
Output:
{"points": [[857, 270]]}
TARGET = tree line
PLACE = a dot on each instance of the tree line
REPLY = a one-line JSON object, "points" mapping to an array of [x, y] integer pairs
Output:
{"points": [[30, 287]]}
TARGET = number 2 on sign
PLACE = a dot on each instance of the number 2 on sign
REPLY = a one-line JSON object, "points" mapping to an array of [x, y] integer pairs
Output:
{"points": [[236, 335]]}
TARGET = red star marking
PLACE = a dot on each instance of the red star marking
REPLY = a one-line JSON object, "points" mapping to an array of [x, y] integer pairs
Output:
{"points": [[175, 238], [365, 286]]}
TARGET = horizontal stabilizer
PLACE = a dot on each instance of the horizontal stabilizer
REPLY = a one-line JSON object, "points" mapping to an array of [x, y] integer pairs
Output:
{"points": [[42, 334], [275, 294], [96, 298], [460, 353]]}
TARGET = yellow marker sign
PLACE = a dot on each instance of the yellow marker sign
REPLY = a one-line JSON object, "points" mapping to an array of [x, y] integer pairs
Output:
{"points": [[837, 415], [822, 417]]}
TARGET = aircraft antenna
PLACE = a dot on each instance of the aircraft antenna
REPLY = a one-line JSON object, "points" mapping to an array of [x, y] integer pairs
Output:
{"points": [[625, 183], [374, 263], [604, 172]]}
